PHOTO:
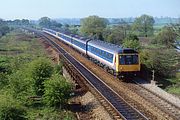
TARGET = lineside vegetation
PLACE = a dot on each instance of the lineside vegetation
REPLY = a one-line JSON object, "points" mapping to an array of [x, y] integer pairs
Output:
{"points": [[30, 85]]}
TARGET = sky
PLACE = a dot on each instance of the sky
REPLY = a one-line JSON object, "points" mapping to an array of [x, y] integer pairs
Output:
{"points": [[35, 9]]}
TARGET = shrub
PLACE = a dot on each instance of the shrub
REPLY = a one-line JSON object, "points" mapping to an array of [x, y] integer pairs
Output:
{"points": [[57, 91], [41, 70], [21, 85], [11, 109], [163, 61], [4, 65], [3, 80]]}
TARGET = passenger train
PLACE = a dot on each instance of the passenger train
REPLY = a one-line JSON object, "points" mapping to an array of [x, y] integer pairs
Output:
{"points": [[120, 60]]}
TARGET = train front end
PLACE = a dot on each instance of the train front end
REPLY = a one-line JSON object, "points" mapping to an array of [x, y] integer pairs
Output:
{"points": [[128, 61]]}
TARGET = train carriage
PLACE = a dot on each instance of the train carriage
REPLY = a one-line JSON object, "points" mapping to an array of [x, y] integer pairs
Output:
{"points": [[120, 60], [79, 44]]}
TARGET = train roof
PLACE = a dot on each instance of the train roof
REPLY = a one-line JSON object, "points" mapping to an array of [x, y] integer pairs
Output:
{"points": [[111, 47], [100, 44]]}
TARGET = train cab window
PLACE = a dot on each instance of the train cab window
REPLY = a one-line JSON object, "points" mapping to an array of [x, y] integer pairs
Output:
{"points": [[135, 59], [122, 59], [128, 59]]}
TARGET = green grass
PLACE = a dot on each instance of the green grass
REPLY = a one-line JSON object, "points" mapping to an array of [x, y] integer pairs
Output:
{"points": [[175, 87], [14, 43]]}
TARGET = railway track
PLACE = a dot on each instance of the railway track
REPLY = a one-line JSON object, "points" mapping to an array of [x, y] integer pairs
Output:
{"points": [[154, 98], [123, 109]]}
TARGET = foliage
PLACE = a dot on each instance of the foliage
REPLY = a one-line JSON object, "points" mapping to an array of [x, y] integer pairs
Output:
{"points": [[93, 25], [134, 44], [116, 35], [20, 85], [144, 25], [48, 23], [45, 22], [132, 37], [3, 28], [164, 61], [175, 27], [4, 65], [3, 80], [20, 71], [57, 91], [58, 68], [175, 87], [18, 22], [50, 113], [11, 109], [166, 37], [41, 70]]}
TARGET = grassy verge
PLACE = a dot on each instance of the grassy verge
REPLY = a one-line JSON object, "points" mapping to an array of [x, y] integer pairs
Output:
{"points": [[175, 87]]}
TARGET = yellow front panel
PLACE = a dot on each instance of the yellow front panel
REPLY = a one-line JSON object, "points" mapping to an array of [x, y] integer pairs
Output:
{"points": [[128, 68]]}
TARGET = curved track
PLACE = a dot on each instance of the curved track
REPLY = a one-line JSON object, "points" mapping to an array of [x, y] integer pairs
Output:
{"points": [[125, 110]]}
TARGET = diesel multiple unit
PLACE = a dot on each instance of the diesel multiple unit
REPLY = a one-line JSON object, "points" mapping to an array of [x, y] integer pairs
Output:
{"points": [[116, 58]]}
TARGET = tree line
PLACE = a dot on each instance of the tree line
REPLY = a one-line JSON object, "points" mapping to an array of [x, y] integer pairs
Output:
{"points": [[122, 33]]}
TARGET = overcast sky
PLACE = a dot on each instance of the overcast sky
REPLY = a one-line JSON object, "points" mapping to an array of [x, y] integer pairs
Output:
{"points": [[34, 9]]}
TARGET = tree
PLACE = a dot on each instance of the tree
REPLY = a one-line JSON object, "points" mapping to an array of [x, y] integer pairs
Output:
{"points": [[57, 91], [25, 22], [116, 35], [45, 22], [2, 22], [166, 37], [125, 27], [93, 25], [130, 43], [3, 27], [164, 61], [56, 24], [144, 25], [17, 22], [175, 29]]}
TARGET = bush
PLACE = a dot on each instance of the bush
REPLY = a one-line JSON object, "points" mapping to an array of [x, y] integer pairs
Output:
{"points": [[41, 70], [21, 85], [57, 91], [4, 65], [163, 61], [11, 109], [3, 80]]}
